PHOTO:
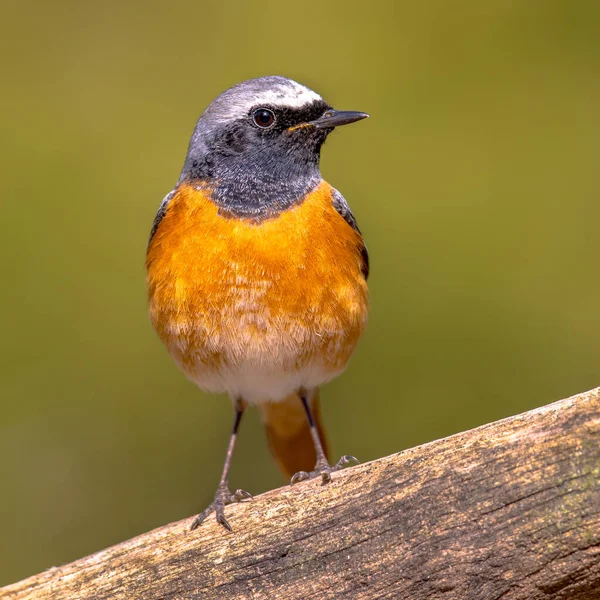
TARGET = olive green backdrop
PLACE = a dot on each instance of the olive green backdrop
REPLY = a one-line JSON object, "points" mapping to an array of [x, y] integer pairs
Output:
{"points": [[475, 183]]}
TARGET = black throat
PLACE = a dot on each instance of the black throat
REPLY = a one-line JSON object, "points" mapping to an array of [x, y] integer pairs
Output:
{"points": [[257, 174]]}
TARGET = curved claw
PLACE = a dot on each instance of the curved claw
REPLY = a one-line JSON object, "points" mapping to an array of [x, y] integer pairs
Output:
{"points": [[223, 497], [220, 516], [240, 495], [325, 476], [346, 460], [299, 476]]}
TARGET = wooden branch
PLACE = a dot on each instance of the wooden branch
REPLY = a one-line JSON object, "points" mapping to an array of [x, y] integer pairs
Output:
{"points": [[507, 511]]}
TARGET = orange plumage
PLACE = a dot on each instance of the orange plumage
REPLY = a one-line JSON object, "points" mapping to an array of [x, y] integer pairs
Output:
{"points": [[223, 290], [262, 309]]}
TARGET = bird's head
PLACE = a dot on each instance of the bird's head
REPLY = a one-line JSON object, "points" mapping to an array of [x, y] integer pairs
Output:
{"points": [[260, 141]]}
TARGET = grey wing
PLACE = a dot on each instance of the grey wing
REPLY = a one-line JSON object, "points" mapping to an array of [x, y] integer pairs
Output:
{"points": [[340, 204], [162, 211]]}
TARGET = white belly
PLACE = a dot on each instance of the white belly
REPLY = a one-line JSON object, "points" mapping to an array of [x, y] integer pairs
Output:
{"points": [[270, 379]]}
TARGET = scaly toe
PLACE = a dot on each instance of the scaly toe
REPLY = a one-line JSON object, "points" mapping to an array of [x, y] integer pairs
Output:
{"points": [[223, 497], [324, 471], [202, 516], [239, 495]]}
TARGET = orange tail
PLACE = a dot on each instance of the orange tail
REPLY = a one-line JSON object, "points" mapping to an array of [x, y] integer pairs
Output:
{"points": [[288, 433]]}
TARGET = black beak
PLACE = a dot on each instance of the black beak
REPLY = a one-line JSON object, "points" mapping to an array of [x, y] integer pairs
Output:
{"points": [[335, 118]]}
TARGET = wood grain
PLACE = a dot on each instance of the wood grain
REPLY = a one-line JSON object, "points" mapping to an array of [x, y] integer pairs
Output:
{"points": [[510, 510]]}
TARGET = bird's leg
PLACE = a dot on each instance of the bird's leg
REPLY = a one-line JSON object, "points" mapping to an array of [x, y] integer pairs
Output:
{"points": [[223, 496], [322, 466]]}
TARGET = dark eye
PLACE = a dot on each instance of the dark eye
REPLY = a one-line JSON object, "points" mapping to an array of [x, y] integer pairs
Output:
{"points": [[263, 117]]}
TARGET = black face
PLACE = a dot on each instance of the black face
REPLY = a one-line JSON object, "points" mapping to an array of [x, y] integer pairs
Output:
{"points": [[261, 163], [276, 131], [282, 119]]}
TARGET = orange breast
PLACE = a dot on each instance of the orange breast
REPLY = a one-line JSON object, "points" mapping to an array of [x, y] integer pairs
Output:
{"points": [[229, 294]]}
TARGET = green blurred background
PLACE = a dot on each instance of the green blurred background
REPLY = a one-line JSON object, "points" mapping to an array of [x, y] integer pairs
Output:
{"points": [[475, 183]]}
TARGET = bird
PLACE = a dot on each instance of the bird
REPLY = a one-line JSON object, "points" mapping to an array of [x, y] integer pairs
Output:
{"points": [[257, 270]]}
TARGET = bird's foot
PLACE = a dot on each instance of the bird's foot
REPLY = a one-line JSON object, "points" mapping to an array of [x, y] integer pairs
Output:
{"points": [[324, 470], [223, 497]]}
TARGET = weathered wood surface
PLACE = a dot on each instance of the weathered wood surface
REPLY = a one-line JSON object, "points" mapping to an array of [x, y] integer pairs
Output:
{"points": [[508, 511]]}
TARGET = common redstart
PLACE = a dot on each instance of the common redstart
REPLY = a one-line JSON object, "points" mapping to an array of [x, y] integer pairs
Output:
{"points": [[257, 270]]}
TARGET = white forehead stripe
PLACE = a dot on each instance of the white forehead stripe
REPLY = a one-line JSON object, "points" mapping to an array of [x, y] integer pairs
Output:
{"points": [[237, 101], [294, 97]]}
